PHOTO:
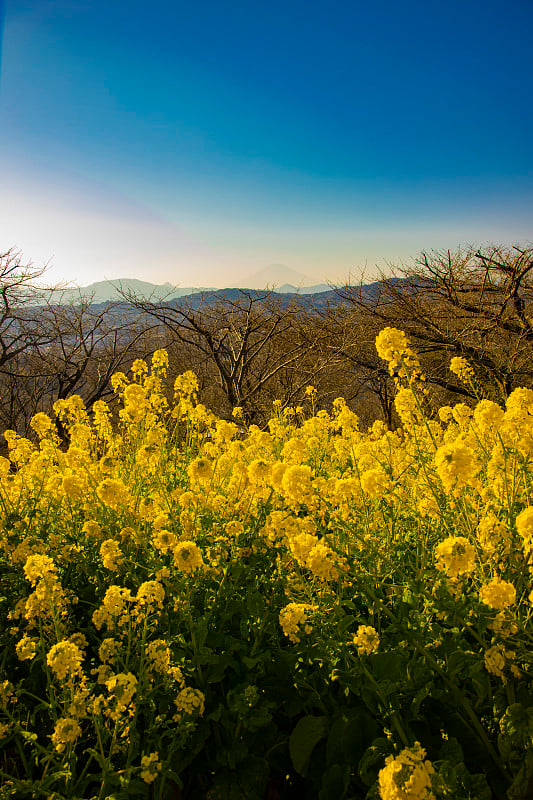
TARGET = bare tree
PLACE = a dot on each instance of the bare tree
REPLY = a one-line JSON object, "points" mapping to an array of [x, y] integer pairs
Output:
{"points": [[474, 303], [253, 344], [51, 349]]}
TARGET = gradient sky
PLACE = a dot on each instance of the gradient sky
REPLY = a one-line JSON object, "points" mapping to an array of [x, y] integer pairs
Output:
{"points": [[198, 142]]}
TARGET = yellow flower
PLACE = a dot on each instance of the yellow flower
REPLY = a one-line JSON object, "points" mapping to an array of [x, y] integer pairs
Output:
{"points": [[496, 659], [407, 407], [158, 655], [491, 534], [488, 415], [151, 594], [135, 402], [524, 526], [296, 483], [164, 540], [7, 694], [92, 528], [73, 485], [234, 528], [189, 702], [66, 731], [201, 469], [188, 557], [322, 562], [259, 470], [498, 594], [118, 381], [456, 556], [375, 482], [160, 360], [186, 384], [366, 640], [151, 766], [406, 776], [113, 492], [122, 687], [462, 369], [41, 424], [462, 414], [456, 464], [112, 557], [108, 650], [390, 343], [520, 402], [445, 414], [26, 648], [114, 607], [39, 567], [64, 659], [294, 617]]}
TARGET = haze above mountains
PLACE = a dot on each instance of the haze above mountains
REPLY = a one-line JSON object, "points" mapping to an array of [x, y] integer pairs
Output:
{"points": [[277, 277]]}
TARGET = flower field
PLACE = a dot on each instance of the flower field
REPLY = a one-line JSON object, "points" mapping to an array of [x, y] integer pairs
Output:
{"points": [[196, 608]]}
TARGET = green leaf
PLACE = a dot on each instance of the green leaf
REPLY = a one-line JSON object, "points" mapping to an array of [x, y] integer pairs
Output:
{"points": [[303, 740], [349, 737], [335, 782], [374, 759]]}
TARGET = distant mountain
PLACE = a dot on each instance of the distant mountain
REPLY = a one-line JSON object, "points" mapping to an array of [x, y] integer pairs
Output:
{"points": [[288, 288], [278, 275], [105, 291]]}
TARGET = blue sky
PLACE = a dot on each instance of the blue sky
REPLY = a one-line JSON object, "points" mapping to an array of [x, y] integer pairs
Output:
{"points": [[197, 143]]}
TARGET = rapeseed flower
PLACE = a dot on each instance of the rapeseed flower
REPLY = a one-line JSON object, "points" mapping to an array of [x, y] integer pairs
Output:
{"points": [[92, 529], [366, 640], [135, 402], [496, 659], [488, 416], [296, 483], [151, 767], [460, 367], [39, 567], [462, 414], [322, 562], [375, 482], [26, 649], [189, 702], [122, 687], [498, 594], [108, 650], [151, 594], [188, 557], [111, 554], [73, 486], [407, 776], [456, 464], [42, 425], [158, 655], [294, 618], [201, 469], [391, 343], [115, 608], [113, 492], [259, 470], [407, 407], [524, 526], [164, 540], [64, 659], [456, 556], [66, 732]]}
